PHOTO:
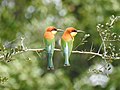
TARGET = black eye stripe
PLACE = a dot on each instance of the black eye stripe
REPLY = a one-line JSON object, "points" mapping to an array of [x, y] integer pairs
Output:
{"points": [[54, 30], [74, 31]]}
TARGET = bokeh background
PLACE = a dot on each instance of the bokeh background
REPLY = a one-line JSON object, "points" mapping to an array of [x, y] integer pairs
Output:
{"points": [[29, 19]]}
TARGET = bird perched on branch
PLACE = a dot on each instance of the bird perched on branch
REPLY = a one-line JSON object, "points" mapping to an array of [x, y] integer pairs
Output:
{"points": [[49, 39], [67, 43]]}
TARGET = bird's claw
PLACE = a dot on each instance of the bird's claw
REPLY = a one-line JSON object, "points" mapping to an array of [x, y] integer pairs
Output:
{"points": [[50, 68], [66, 65]]}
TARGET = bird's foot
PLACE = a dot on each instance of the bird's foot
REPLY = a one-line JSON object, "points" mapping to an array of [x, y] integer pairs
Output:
{"points": [[50, 68], [66, 65]]}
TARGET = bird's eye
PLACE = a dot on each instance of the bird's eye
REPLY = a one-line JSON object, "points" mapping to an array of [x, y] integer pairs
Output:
{"points": [[74, 31]]}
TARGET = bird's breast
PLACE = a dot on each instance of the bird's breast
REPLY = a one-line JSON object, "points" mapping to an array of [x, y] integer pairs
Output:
{"points": [[48, 35], [67, 37]]}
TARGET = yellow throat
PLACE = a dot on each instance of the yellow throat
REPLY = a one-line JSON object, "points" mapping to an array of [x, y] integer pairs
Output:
{"points": [[73, 33], [54, 32]]}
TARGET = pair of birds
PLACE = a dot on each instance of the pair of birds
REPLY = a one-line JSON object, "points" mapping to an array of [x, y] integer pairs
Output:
{"points": [[66, 43]]}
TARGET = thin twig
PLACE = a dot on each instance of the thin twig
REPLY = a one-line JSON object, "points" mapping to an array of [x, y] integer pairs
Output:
{"points": [[100, 48], [58, 50], [112, 22]]}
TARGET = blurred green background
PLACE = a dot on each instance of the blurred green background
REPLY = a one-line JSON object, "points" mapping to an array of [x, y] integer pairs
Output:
{"points": [[29, 19]]}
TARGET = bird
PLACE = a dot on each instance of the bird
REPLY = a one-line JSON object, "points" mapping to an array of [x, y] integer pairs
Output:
{"points": [[67, 40], [49, 40]]}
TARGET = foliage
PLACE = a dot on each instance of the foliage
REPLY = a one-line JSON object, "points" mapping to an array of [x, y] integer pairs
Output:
{"points": [[23, 18]]}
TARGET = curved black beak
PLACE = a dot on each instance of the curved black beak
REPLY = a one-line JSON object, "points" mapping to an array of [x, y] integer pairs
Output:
{"points": [[80, 31], [60, 30]]}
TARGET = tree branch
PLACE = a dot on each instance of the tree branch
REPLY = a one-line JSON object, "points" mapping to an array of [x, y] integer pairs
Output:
{"points": [[80, 52], [58, 50]]}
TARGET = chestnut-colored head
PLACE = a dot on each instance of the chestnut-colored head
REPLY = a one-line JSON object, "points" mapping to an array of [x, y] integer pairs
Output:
{"points": [[69, 34], [52, 29], [72, 31]]}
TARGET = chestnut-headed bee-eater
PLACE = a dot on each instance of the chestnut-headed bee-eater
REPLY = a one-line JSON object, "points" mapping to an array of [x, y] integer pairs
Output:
{"points": [[67, 43], [49, 39]]}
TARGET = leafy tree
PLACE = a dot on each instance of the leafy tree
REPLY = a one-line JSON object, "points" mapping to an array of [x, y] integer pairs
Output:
{"points": [[29, 18]]}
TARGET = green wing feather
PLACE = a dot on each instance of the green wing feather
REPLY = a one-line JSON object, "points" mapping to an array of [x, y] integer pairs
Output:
{"points": [[70, 46], [48, 43]]}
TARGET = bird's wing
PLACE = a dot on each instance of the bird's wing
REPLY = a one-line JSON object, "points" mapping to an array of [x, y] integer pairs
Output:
{"points": [[70, 46], [49, 45], [67, 46]]}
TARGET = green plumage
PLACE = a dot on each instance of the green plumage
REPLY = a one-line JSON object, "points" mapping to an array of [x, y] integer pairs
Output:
{"points": [[49, 47], [67, 49]]}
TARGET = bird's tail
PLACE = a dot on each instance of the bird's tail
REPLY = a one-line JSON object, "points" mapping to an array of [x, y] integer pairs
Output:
{"points": [[67, 63], [50, 62]]}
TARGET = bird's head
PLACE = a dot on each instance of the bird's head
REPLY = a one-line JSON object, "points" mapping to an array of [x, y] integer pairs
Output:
{"points": [[72, 31], [53, 30]]}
